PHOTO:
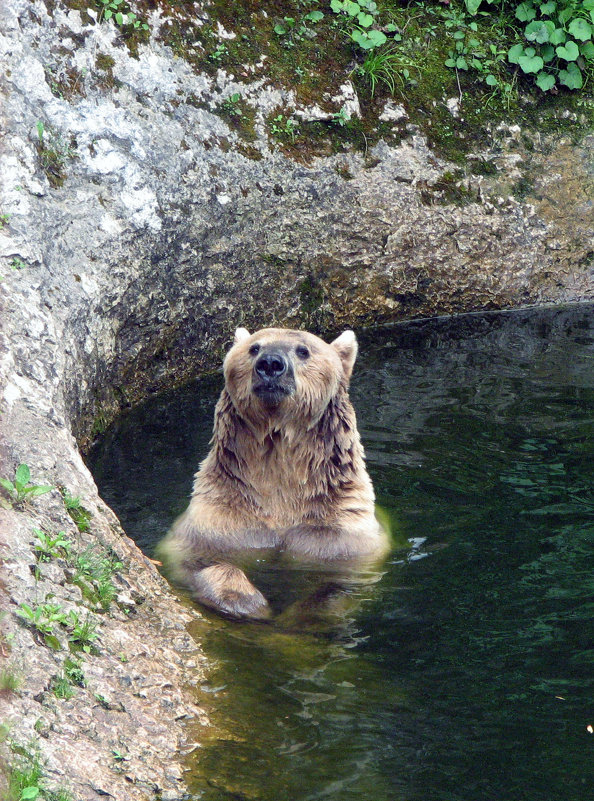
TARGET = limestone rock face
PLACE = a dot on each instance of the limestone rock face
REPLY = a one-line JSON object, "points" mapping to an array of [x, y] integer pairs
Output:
{"points": [[136, 232]]}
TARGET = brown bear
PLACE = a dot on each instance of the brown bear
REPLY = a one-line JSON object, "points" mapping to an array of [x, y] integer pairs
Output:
{"points": [[286, 470]]}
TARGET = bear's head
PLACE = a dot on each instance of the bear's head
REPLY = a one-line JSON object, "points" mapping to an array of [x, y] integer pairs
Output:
{"points": [[276, 372]]}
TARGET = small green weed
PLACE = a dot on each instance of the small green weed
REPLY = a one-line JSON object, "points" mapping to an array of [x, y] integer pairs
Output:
{"points": [[385, 65], [23, 777], [219, 53], [94, 572], [11, 680], [283, 127], [53, 153], [21, 489], [73, 672], [120, 12], [43, 619], [62, 687], [48, 546], [293, 31], [74, 507], [17, 264], [4, 218], [231, 105], [84, 632]]}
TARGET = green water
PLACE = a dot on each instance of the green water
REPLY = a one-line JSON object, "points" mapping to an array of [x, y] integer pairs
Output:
{"points": [[464, 671]]}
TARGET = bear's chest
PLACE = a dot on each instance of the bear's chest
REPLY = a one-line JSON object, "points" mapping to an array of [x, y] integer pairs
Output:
{"points": [[286, 484]]}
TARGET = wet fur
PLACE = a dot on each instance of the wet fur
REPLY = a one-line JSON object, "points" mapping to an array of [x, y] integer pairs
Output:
{"points": [[291, 477]]}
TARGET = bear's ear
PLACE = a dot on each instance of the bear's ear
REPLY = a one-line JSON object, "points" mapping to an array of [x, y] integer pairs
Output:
{"points": [[346, 347], [240, 335]]}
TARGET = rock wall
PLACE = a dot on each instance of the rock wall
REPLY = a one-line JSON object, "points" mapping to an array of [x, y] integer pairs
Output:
{"points": [[137, 231]]}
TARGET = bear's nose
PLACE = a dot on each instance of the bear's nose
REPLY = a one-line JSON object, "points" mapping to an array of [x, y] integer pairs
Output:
{"points": [[271, 365]]}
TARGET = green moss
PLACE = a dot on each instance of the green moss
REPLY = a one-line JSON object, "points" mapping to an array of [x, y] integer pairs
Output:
{"points": [[239, 116], [311, 297], [449, 189], [99, 425]]}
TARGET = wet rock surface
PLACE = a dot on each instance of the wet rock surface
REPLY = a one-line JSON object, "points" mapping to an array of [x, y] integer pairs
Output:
{"points": [[136, 234]]}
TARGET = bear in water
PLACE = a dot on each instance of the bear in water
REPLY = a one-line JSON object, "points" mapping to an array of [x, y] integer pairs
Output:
{"points": [[286, 470]]}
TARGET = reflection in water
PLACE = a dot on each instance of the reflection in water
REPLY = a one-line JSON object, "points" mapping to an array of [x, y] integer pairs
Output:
{"points": [[465, 670]]}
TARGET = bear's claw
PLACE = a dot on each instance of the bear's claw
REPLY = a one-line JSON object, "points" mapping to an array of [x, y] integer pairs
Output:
{"points": [[227, 589]]}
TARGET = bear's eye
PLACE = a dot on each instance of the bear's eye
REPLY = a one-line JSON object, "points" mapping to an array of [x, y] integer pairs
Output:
{"points": [[254, 350], [302, 352]]}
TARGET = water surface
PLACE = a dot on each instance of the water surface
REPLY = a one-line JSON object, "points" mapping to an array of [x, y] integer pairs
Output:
{"points": [[464, 670]]}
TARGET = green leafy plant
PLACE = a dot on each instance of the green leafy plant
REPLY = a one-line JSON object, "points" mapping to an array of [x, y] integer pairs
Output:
{"points": [[53, 153], [555, 45], [219, 53], [21, 489], [120, 12], [50, 546], [231, 105], [73, 672], [24, 775], [94, 574], [386, 66], [43, 619], [74, 507], [283, 127], [25, 779], [62, 687], [359, 18], [84, 632], [282, 28]]}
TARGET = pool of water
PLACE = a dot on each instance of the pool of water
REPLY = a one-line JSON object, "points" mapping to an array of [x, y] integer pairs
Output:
{"points": [[464, 669]]}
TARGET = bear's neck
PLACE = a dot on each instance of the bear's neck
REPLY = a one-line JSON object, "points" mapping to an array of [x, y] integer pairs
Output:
{"points": [[279, 466]]}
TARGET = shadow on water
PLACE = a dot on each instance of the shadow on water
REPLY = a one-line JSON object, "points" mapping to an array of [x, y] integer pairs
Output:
{"points": [[465, 669]]}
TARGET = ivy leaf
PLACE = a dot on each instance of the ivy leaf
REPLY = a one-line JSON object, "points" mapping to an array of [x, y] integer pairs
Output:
{"points": [[461, 63], [472, 6], [571, 77], [548, 8], [557, 37], [514, 53], [580, 29], [351, 8], [545, 81], [336, 6], [491, 80], [530, 63], [525, 12], [370, 39], [569, 51], [587, 50], [547, 52], [539, 31], [365, 20]]}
